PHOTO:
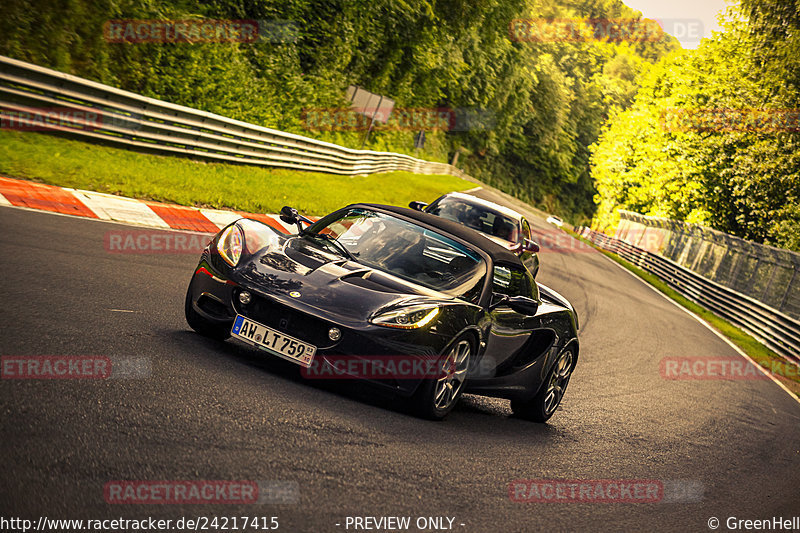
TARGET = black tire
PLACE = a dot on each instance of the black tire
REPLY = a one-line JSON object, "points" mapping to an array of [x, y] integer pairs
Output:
{"points": [[542, 406], [202, 325], [427, 401]]}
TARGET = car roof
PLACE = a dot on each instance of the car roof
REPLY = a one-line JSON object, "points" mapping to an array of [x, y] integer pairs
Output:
{"points": [[499, 254], [474, 200]]}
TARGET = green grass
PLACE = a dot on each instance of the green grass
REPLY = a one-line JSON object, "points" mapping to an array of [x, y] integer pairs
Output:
{"points": [[765, 357], [69, 163]]}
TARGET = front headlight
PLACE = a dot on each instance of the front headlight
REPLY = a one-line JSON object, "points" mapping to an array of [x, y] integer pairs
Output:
{"points": [[410, 317], [229, 244]]}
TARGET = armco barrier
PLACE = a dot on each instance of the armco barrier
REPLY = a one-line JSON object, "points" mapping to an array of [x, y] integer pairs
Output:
{"points": [[135, 121], [770, 275], [774, 329]]}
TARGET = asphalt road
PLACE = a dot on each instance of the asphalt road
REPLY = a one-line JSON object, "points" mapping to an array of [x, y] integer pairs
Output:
{"points": [[220, 411]]}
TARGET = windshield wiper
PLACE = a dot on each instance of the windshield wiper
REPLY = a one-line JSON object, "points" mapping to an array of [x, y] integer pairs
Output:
{"points": [[336, 244]]}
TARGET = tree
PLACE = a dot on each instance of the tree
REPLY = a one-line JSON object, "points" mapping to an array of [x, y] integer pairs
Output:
{"points": [[690, 147]]}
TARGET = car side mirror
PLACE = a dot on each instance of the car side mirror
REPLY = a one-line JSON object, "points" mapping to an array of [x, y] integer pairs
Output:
{"points": [[520, 304], [523, 305], [419, 206], [531, 246], [291, 216]]}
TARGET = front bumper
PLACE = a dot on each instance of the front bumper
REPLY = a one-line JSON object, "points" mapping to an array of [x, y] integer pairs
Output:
{"points": [[216, 298]]}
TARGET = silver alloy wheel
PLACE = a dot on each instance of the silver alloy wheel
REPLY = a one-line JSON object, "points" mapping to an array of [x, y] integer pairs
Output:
{"points": [[454, 366], [558, 382]]}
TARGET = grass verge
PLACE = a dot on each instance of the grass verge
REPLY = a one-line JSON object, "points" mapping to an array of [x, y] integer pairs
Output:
{"points": [[757, 351], [69, 163]]}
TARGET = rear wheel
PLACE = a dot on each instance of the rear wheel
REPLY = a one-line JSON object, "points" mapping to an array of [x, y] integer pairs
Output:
{"points": [[542, 406], [435, 398], [202, 325]]}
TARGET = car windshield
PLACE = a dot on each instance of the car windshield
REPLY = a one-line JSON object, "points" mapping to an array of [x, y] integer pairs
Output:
{"points": [[481, 218], [404, 249]]}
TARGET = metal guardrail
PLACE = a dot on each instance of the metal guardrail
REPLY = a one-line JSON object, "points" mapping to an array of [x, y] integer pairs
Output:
{"points": [[766, 273], [776, 330], [136, 121]]}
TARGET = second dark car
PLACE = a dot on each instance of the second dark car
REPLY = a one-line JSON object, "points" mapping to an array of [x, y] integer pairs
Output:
{"points": [[503, 225]]}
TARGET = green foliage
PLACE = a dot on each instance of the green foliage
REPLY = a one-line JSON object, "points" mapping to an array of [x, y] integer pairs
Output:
{"points": [[739, 179], [546, 101]]}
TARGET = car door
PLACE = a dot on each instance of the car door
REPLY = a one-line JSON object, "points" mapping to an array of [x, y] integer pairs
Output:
{"points": [[507, 331]]}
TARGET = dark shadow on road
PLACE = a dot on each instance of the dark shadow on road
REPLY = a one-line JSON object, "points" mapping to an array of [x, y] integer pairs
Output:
{"points": [[474, 414]]}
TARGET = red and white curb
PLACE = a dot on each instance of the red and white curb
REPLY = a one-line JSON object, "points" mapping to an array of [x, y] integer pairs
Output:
{"points": [[22, 193]]}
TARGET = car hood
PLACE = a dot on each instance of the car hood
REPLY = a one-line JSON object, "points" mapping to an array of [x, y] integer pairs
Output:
{"points": [[298, 272]]}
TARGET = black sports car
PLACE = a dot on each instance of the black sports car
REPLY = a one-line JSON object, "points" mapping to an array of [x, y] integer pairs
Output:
{"points": [[381, 284]]}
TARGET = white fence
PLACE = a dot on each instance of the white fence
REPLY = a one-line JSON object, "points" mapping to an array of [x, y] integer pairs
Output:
{"points": [[765, 273], [138, 122]]}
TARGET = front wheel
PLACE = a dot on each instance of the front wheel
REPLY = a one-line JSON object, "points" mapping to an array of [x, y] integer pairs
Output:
{"points": [[436, 397], [542, 406], [200, 324]]}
